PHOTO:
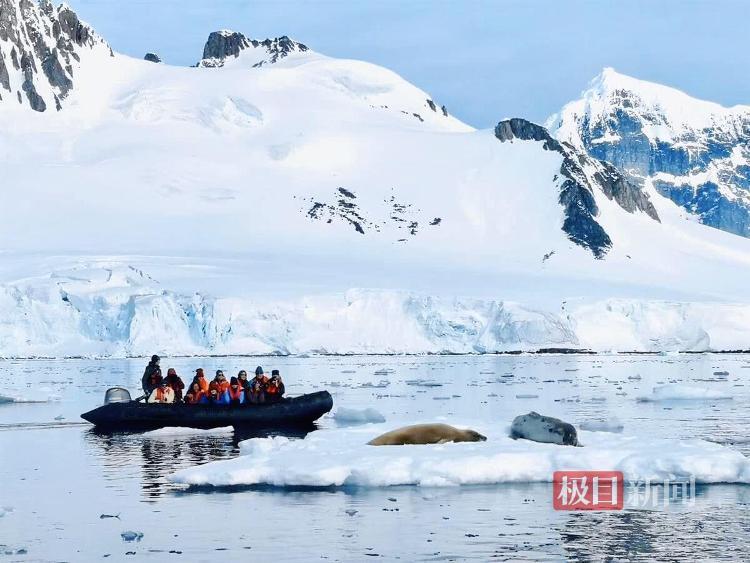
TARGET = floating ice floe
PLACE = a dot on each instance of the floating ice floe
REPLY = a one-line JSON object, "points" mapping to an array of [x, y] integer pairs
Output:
{"points": [[184, 431], [345, 416], [340, 457], [677, 392], [7, 399], [603, 425]]}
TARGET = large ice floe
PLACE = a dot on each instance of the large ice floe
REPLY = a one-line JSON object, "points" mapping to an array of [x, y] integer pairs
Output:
{"points": [[341, 458]]}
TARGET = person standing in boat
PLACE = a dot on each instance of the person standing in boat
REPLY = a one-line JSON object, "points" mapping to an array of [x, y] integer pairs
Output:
{"points": [[275, 387], [176, 383], [162, 394], [151, 376]]}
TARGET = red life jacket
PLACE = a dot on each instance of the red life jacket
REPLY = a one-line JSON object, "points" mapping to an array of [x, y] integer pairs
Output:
{"points": [[235, 395], [272, 388]]}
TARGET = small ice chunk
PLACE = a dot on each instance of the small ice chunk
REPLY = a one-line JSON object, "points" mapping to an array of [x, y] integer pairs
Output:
{"points": [[130, 536], [184, 431], [612, 424], [357, 416], [526, 396], [677, 392]]}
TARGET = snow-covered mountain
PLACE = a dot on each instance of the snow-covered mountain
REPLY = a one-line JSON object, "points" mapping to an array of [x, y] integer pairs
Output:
{"points": [[317, 204], [41, 48], [228, 47], [693, 152]]}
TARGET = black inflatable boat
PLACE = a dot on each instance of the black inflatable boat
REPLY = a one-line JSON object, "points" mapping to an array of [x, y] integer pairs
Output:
{"points": [[119, 412]]}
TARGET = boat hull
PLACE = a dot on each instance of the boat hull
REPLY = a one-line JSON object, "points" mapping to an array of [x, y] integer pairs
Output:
{"points": [[296, 411]]}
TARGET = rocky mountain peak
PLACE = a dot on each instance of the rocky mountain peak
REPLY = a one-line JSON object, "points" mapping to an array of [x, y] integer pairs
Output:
{"points": [[694, 152], [40, 48], [225, 44], [581, 178]]}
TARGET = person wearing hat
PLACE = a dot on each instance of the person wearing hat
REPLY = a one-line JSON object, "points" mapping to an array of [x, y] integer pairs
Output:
{"points": [[200, 379], [236, 392], [162, 394], [176, 383], [258, 387], [151, 376], [274, 387], [221, 386]]}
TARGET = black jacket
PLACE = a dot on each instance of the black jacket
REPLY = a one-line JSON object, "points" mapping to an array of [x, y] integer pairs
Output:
{"points": [[151, 370]]}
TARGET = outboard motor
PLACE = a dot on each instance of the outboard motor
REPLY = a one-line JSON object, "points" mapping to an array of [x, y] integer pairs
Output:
{"points": [[117, 395]]}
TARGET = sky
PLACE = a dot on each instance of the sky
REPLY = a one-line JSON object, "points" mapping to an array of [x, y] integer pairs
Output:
{"points": [[485, 60]]}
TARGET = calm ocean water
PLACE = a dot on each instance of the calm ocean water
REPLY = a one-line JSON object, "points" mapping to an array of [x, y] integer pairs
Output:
{"points": [[62, 480]]}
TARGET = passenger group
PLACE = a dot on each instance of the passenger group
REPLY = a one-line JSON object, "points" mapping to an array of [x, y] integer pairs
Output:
{"points": [[237, 391]]}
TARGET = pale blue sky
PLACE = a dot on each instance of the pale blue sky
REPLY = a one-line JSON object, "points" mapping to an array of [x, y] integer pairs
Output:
{"points": [[485, 60]]}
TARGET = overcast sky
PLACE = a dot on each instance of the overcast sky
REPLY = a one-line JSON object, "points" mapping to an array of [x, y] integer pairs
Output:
{"points": [[485, 60]]}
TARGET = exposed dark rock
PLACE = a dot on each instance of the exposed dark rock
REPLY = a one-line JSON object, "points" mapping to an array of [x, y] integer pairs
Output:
{"points": [[701, 166], [281, 47], [444, 110], [71, 26], [418, 116], [55, 73], [152, 58], [432, 105], [29, 69], [223, 44], [582, 175], [4, 76], [42, 41]]}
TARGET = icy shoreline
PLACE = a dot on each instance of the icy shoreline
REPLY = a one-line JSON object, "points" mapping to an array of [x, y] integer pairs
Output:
{"points": [[120, 311]]}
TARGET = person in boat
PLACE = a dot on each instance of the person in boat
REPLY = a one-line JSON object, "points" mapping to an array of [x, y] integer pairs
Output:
{"points": [[200, 379], [258, 387], [195, 395], [236, 392], [275, 387], [221, 385], [176, 383], [151, 376], [162, 394], [244, 383]]}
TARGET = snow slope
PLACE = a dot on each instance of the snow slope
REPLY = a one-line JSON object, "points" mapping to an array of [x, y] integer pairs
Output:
{"points": [[313, 204]]}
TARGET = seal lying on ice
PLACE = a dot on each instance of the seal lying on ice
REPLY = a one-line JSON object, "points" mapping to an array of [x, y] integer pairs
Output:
{"points": [[538, 428], [426, 434]]}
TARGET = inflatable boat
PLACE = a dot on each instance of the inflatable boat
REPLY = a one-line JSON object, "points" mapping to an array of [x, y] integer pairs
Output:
{"points": [[120, 412]]}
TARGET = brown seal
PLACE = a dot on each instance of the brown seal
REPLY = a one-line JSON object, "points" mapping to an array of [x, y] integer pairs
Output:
{"points": [[426, 434]]}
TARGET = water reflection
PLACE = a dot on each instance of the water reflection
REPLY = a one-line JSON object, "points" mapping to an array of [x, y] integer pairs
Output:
{"points": [[123, 456]]}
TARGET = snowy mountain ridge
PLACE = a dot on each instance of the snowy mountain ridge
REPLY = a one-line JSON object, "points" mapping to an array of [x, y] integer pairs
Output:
{"points": [[694, 152], [40, 49], [224, 45], [315, 204]]}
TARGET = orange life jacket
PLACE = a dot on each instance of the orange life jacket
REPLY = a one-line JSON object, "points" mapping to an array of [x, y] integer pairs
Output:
{"points": [[272, 388], [235, 395], [202, 382]]}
